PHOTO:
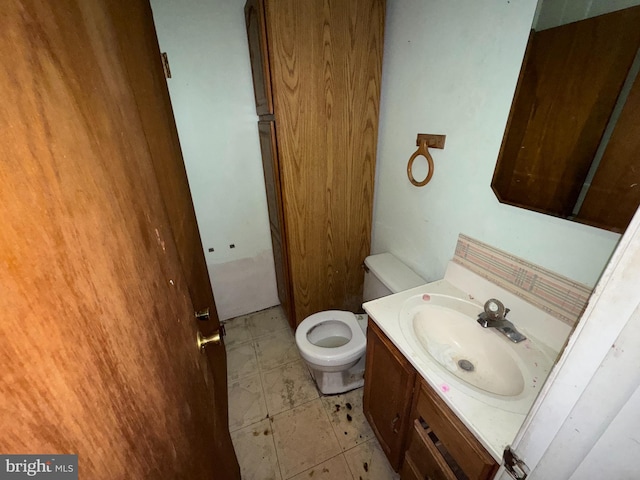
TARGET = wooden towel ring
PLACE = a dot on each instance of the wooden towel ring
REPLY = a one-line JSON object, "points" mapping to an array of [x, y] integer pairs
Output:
{"points": [[424, 151]]}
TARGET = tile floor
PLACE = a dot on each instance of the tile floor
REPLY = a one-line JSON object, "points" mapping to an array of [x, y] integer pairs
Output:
{"points": [[281, 427]]}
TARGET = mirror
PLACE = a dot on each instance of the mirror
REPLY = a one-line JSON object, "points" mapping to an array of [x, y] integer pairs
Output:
{"points": [[571, 144]]}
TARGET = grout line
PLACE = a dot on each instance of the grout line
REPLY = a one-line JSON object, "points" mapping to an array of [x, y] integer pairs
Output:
{"points": [[279, 366], [246, 318], [320, 463], [260, 369], [275, 448], [264, 399], [256, 337], [249, 424], [255, 356], [270, 418], [331, 424]]}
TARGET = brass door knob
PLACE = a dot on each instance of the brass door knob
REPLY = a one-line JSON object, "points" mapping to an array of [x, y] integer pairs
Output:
{"points": [[203, 341]]}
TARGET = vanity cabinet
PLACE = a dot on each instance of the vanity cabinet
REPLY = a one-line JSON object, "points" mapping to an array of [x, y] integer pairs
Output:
{"points": [[414, 426], [316, 72], [388, 386]]}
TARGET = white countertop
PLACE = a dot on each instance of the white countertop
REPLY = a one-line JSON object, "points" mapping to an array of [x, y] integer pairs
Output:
{"points": [[493, 426]]}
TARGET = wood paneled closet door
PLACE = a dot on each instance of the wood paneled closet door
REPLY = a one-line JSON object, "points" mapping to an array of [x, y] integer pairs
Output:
{"points": [[97, 335], [254, 15], [316, 73], [271, 168]]}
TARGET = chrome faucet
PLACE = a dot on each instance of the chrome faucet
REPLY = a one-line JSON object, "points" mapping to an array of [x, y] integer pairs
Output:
{"points": [[495, 316]]}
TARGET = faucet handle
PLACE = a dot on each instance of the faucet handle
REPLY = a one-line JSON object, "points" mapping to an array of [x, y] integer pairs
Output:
{"points": [[506, 311], [494, 309]]}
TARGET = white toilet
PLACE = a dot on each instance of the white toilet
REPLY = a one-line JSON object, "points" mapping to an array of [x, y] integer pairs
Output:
{"points": [[333, 342]]}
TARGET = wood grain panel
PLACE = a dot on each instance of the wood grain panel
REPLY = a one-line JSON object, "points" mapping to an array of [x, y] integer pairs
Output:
{"points": [[424, 456], [258, 52], [271, 169], [614, 194], [566, 95], [140, 55], [461, 444], [388, 385], [97, 337], [325, 62]]}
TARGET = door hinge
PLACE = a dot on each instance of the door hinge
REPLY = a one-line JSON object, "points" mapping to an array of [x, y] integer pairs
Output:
{"points": [[165, 65], [514, 465]]}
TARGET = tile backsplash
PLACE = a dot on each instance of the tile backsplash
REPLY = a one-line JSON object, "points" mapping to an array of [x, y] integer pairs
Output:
{"points": [[561, 297]]}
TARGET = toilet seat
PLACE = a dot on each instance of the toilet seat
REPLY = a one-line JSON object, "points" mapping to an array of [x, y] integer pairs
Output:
{"points": [[331, 356]]}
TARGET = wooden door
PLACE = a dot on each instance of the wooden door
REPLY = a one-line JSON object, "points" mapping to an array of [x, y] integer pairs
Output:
{"points": [[138, 47], [97, 339], [254, 15], [267, 134]]}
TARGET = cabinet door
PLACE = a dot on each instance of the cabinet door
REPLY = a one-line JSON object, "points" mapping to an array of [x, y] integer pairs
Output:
{"points": [[388, 386], [567, 91], [257, 35], [270, 165], [618, 175]]}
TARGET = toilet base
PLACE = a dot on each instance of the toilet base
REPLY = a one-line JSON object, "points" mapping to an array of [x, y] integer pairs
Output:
{"points": [[331, 383]]}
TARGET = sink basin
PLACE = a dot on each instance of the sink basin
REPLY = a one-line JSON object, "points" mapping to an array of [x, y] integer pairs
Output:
{"points": [[445, 328]]}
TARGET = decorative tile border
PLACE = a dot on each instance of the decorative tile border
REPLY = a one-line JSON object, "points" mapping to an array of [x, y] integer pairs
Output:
{"points": [[557, 295]]}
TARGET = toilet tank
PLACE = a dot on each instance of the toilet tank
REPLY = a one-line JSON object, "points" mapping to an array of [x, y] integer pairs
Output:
{"points": [[385, 274]]}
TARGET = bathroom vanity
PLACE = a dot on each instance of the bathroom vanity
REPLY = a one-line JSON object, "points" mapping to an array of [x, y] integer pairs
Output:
{"points": [[431, 421], [415, 427]]}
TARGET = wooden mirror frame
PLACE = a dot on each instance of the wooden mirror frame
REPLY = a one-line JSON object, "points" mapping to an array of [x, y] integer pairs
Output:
{"points": [[569, 85]]}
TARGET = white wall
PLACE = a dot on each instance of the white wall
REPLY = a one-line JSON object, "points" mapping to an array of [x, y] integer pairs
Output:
{"points": [[212, 97], [553, 13], [451, 67]]}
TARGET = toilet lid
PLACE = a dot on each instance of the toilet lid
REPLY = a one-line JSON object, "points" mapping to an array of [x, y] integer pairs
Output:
{"points": [[324, 356]]}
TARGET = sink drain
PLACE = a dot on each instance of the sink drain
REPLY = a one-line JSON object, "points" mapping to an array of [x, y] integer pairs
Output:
{"points": [[466, 365]]}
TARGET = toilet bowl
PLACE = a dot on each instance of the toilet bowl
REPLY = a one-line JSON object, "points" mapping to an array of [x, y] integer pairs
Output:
{"points": [[333, 342]]}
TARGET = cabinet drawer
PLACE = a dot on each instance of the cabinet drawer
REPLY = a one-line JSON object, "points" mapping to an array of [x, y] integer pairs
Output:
{"points": [[456, 440], [428, 456]]}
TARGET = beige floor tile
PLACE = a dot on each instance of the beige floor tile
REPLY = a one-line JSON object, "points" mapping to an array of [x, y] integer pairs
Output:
{"points": [[241, 361], [368, 462], [347, 418], [276, 349], [304, 438], [246, 402], [333, 469], [267, 321], [256, 452], [287, 387], [237, 332]]}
